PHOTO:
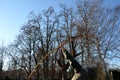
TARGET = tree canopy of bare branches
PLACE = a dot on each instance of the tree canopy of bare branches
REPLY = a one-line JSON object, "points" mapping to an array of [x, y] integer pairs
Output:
{"points": [[98, 26]]}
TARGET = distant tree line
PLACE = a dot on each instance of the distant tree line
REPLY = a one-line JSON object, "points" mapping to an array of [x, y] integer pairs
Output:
{"points": [[44, 31]]}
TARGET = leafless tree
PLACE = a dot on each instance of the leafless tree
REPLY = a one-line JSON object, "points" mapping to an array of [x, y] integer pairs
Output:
{"points": [[96, 26], [100, 25], [2, 56]]}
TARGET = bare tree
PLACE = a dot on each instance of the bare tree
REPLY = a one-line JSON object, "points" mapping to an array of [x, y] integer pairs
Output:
{"points": [[68, 30], [101, 27], [2, 56], [46, 24], [97, 27], [24, 47]]}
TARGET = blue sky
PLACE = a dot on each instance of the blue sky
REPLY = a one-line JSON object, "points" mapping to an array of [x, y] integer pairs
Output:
{"points": [[13, 14]]}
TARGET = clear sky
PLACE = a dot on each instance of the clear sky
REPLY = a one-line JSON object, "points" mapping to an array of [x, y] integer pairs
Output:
{"points": [[13, 14]]}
